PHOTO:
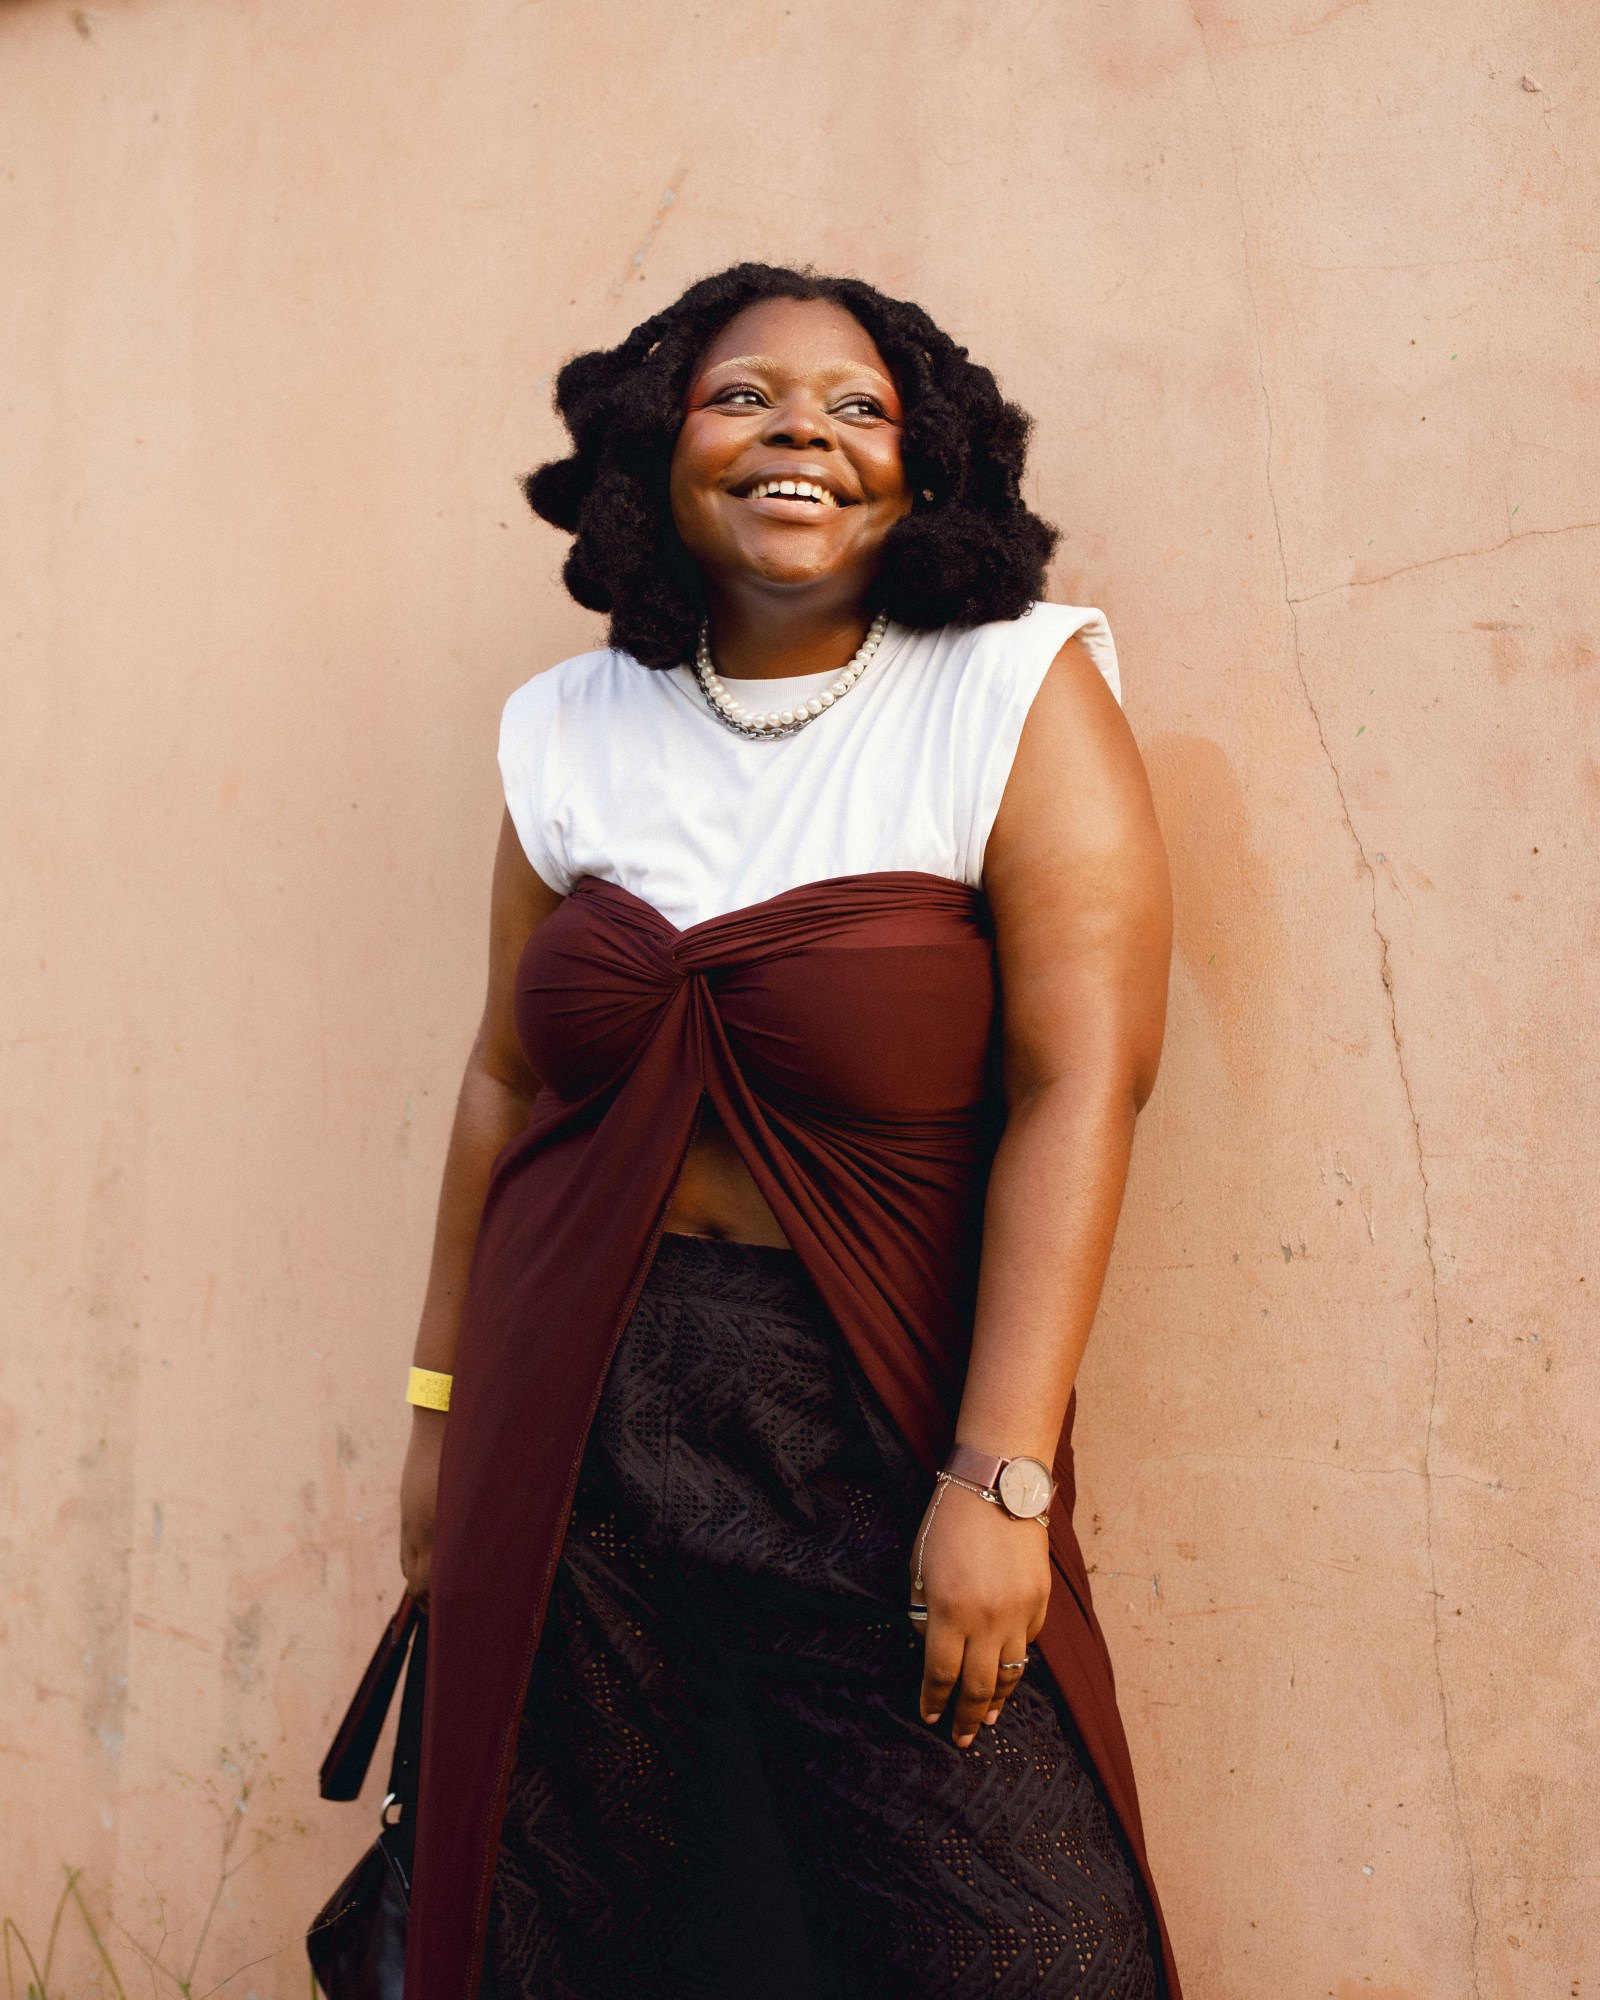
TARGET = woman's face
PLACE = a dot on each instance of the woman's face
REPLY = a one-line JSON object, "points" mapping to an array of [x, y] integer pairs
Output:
{"points": [[791, 391]]}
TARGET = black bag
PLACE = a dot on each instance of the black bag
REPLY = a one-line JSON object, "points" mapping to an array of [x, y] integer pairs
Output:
{"points": [[357, 1945]]}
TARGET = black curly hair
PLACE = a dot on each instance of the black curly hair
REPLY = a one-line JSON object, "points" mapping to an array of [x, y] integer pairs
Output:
{"points": [[969, 551]]}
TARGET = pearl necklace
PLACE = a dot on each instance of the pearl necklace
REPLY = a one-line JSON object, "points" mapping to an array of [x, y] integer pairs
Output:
{"points": [[781, 721]]}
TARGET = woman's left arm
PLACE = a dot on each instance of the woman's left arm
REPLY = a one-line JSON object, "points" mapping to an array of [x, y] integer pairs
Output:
{"points": [[1076, 877]]}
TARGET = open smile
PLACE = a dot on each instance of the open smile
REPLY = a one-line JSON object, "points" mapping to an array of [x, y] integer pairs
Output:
{"points": [[805, 490], [792, 496]]}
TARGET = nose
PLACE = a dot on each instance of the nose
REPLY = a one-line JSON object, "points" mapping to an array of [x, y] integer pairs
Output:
{"points": [[800, 422]]}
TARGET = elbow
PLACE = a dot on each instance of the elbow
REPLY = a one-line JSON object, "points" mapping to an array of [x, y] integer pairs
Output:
{"points": [[1109, 1092], [1142, 1081], [502, 1069]]}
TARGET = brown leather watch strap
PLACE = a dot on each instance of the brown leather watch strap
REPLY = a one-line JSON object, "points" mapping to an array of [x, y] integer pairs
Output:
{"points": [[981, 1467]]}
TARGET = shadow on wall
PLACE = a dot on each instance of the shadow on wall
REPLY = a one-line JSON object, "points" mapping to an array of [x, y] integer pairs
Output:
{"points": [[1227, 924]]}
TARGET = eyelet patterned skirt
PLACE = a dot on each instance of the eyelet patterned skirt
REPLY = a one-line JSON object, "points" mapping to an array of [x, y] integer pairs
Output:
{"points": [[723, 1788]]}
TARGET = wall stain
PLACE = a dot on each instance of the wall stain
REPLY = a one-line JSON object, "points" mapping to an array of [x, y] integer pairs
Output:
{"points": [[244, 1646], [100, 1509], [635, 266]]}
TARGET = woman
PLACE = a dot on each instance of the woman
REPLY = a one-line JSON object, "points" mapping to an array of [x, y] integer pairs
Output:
{"points": [[785, 1234]]}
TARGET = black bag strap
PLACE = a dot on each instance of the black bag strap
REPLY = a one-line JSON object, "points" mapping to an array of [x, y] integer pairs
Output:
{"points": [[398, 1840], [405, 1768], [344, 1769]]}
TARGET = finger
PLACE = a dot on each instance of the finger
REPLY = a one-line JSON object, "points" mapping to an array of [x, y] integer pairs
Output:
{"points": [[416, 1566], [1008, 1673], [941, 1667], [975, 1696]]}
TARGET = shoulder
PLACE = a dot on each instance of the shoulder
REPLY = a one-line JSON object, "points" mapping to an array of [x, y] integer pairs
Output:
{"points": [[979, 686], [572, 691], [1019, 651], [1076, 761], [562, 734], [577, 680]]}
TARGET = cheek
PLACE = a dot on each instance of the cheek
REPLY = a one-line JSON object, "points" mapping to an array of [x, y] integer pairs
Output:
{"points": [[883, 472], [702, 450], [682, 473], [699, 460], [686, 493]]}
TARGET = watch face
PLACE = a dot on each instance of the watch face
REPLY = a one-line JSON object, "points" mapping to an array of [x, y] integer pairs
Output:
{"points": [[1025, 1488]]}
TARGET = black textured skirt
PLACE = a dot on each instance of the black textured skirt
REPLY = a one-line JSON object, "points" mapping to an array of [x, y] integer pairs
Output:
{"points": [[723, 1788]]}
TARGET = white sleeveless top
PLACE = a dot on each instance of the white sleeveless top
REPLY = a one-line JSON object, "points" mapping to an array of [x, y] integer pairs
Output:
{"points": [[614, 770]]}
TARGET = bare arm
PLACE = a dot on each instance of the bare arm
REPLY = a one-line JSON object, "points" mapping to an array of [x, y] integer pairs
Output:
{"points": [[1077, 880], [492, 1108]]}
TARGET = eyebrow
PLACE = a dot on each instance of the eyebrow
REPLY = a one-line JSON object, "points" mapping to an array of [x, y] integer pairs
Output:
{"points": [[835, 371]]}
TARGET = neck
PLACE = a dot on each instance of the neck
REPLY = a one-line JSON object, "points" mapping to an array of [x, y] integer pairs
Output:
{"points": [[767, 639]]}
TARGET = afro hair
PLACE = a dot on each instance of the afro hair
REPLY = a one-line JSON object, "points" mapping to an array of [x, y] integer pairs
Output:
{"points": [[968, 552]]}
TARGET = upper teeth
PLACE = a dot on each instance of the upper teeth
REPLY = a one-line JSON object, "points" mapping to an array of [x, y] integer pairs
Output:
{"points": [[798, 489]]}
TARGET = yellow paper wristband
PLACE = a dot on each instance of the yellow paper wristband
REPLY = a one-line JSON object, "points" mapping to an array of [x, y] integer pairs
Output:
{"points": [[428, 1389]]}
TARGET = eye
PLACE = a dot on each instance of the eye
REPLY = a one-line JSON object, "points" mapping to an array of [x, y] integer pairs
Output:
{"points": [[739, 395], [861, 406]]}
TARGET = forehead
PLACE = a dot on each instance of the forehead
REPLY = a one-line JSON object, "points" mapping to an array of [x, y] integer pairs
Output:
{"points": [[799, 335]]}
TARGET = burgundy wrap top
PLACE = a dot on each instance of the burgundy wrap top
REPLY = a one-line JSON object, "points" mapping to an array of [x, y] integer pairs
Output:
{"points": [[844, 1031]]}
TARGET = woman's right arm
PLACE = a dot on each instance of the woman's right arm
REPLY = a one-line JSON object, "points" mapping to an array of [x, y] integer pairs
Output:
{"points": [[496, 1093]]}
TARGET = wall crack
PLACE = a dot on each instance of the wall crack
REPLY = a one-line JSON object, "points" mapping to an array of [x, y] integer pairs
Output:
{"points": [[636, 263], [1453, 555], [1386, 974]]}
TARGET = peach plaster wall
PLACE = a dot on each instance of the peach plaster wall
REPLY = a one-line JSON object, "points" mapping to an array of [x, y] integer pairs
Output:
{"points": [[1303, 295]]}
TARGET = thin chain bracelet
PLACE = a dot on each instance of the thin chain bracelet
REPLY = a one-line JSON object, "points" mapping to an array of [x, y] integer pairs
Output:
{"points": [[933, 1508], [983, 1492], [940, 1481], [943, 1479]]}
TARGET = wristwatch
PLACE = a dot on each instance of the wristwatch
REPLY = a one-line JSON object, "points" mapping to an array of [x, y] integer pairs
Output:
{"points": [[1023, 1486]]}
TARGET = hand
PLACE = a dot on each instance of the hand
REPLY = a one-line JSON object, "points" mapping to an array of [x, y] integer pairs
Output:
{"points": [[986, 1582], [419, 1493]]}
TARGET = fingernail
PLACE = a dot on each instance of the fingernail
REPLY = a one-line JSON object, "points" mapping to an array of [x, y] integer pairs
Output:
{"points": [[993, 1716], [963, 1742], [929, 1718]]}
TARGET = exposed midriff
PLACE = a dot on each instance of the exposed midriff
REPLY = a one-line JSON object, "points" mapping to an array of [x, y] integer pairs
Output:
{"points": [[716, 1196]]}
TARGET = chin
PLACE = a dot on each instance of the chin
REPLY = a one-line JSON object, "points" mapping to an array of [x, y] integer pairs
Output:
{"points": [[792, 575], [786, 558]]}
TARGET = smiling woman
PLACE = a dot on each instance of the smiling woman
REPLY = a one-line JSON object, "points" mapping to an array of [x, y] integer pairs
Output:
{"points": [[965, 549], [827, 974], [737, 500]]}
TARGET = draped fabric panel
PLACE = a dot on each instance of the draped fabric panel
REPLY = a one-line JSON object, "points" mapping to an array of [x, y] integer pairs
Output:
{"points": [[845, 1034]]}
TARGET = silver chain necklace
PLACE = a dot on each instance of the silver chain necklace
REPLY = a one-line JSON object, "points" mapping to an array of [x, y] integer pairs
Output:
{"points": [[781, 721]]}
